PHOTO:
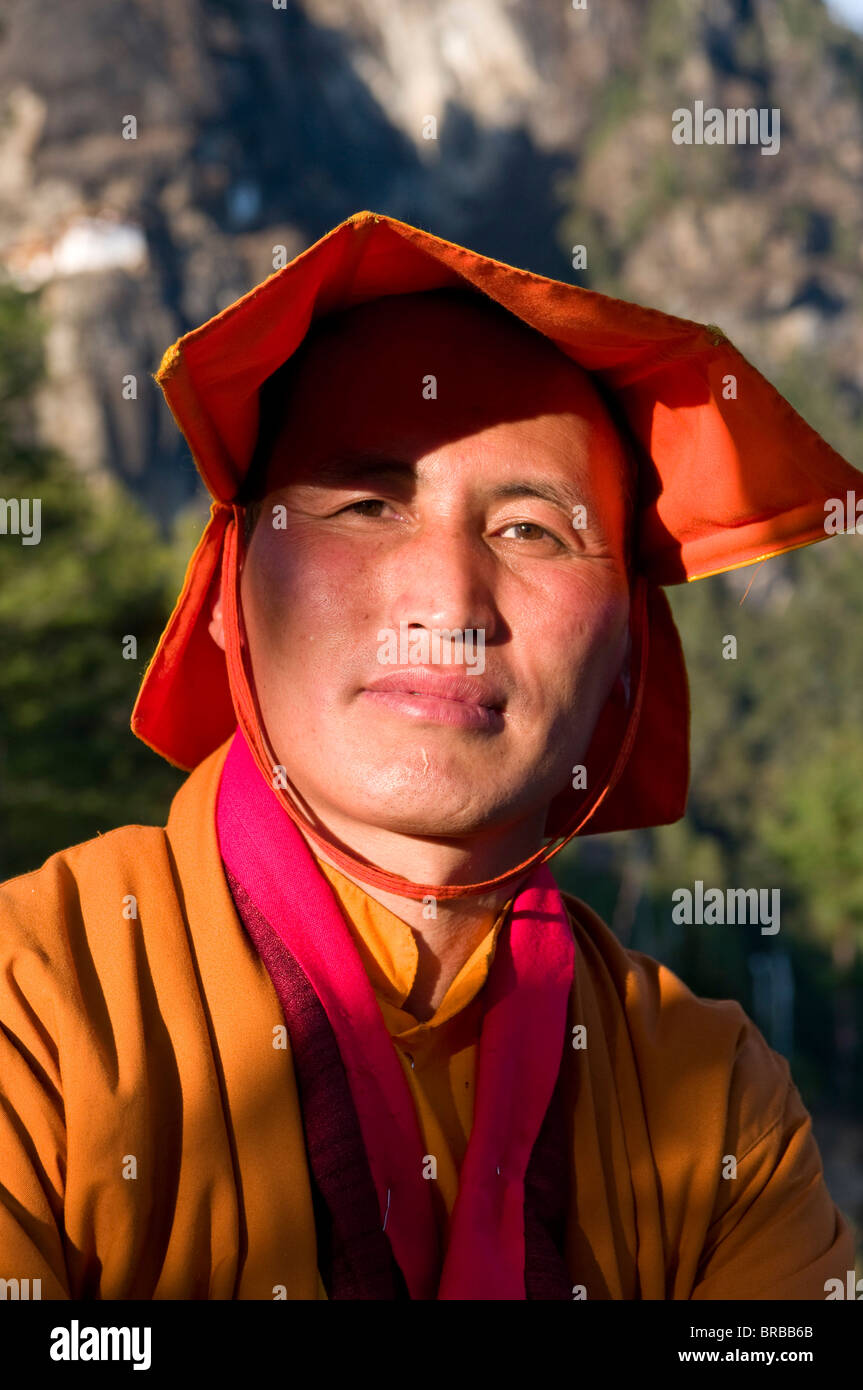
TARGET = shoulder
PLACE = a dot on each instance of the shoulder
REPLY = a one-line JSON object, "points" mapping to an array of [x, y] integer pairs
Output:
{"points": [[132, 853], [93, 926], [82, 872], [63, 923], [706, 1052], [658, 1005], [713, 1112], [70, 956]]}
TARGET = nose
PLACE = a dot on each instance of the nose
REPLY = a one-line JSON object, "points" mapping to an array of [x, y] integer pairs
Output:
{"points": [[443, 577]]}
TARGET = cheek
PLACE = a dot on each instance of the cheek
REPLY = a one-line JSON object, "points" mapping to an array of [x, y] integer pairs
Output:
{"points": [[297, 595], [309, 604], [575, 662], [579, 630]]}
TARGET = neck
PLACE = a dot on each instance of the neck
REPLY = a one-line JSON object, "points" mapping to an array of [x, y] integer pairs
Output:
{"points": [[447, 932]]}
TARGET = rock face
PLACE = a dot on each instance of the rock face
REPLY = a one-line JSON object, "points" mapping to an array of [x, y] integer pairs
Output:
{"points": [[523, 129]]}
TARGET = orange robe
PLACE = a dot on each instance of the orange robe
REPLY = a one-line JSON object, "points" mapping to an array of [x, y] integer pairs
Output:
{"points": [[151, 1142]]}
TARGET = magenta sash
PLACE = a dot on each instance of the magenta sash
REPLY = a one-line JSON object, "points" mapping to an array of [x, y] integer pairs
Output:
{"points": [[519, 1054]]}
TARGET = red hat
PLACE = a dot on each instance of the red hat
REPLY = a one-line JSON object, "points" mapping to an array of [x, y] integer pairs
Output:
{"points": [[729, 474]]}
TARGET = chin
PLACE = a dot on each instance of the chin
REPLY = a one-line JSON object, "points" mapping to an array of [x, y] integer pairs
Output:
{"points": [[438, 811]]}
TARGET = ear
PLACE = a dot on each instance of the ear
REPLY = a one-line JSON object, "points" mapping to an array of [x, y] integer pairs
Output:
{"points": [[217, 628]]}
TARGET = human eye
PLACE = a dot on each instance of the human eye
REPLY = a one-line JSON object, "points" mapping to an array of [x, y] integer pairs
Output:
{"points": [[364, 506], [536, 532]]}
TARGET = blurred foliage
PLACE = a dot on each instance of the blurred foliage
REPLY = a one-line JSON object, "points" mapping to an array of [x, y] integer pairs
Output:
{"points": [[810, 821], [70, 767], [669, 35]]}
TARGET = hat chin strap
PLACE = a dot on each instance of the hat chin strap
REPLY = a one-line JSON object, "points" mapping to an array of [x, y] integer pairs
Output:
{"points": [[250, 720]]}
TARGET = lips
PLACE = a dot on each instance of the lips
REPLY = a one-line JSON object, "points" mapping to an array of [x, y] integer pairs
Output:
{"points": [[419, 680], [429, 697]]}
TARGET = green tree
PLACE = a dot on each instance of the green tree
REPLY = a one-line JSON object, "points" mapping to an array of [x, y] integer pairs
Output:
{"points": [[70, 768]]}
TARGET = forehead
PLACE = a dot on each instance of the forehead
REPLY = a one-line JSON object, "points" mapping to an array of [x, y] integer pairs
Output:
{"points": [[409, 375]]}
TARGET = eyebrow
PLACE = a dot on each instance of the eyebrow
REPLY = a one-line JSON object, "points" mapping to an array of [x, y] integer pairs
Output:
{"points": [[347, 468]]}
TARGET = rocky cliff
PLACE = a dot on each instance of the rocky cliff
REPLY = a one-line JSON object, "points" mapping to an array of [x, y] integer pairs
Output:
{"points": [[552, 126]]}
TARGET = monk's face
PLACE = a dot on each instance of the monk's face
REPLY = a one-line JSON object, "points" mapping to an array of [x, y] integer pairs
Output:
{"points": [[430, 471]]}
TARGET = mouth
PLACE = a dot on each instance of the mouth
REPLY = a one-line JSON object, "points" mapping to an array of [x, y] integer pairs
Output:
{"points": [[457, 700]]}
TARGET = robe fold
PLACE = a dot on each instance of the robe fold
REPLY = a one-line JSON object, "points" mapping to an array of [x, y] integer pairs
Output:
{"points": [[151, 1133]]}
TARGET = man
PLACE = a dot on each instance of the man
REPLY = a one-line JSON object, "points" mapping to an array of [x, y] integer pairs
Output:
{"points": [[333, 1031]]}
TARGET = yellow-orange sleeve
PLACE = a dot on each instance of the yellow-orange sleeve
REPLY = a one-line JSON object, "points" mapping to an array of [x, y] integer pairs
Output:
{"points": [[776, 1232], [32, 1130]]}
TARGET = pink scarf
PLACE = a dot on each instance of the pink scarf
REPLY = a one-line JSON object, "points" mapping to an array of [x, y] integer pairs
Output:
{"points": [[519, 1054]]}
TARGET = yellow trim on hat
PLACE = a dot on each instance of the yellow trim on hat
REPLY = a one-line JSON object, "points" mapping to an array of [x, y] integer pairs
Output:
{"points": [[756, 559]]}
